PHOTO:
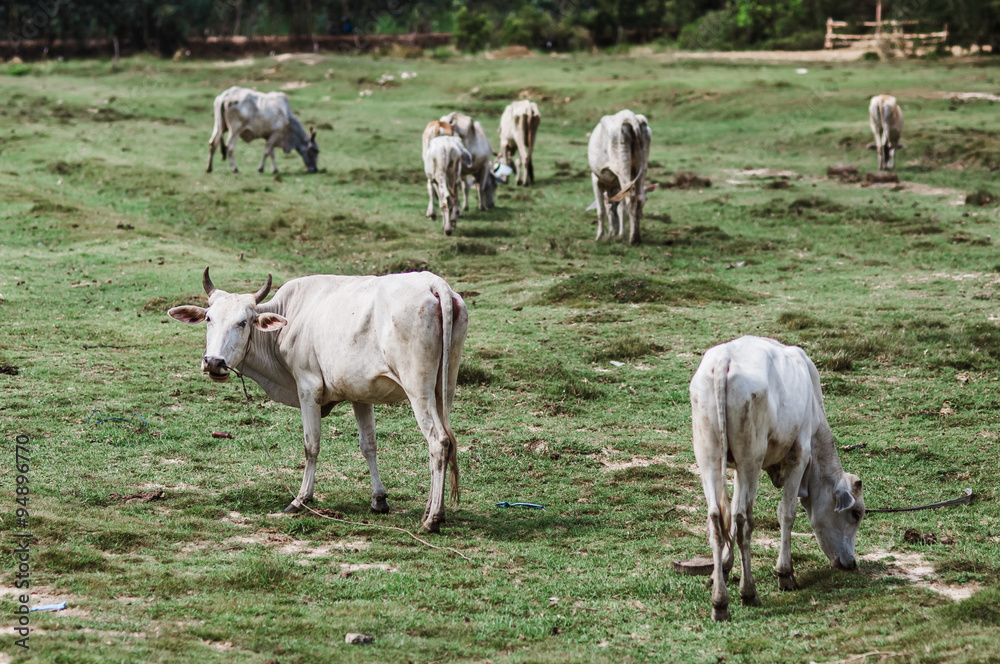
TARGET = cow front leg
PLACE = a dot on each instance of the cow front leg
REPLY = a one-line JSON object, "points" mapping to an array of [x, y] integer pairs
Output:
{"points": [[268, 150], [602, 210], [364, 414], [786, 517], [311, 435]]}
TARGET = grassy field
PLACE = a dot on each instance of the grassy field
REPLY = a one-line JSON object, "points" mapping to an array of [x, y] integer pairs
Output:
{"points": [[573, 390]]}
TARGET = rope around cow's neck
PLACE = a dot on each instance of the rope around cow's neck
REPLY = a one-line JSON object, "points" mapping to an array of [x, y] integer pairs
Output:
{"points": [[358, 524]]}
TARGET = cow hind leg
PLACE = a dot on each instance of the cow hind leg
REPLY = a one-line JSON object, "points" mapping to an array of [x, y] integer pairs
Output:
{"points": [[431, 212], [745, 484], [439, 446], [602, 210], [717, 540], [364, 414]]}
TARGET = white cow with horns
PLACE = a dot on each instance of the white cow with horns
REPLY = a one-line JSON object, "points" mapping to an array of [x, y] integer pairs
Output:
{"points": [[618, 153], [756, 404], [886, 120], [249, 114], [325, 339]]}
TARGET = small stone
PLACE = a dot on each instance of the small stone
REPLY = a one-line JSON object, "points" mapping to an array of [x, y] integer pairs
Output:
{"points": [[358, 639]]}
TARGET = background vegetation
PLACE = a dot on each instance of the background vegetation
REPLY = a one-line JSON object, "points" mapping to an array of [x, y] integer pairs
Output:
{"points": [[543, 24], [573, 388]]}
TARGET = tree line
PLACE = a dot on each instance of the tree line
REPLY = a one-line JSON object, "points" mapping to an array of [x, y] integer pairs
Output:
{"points": [[542, 24]]}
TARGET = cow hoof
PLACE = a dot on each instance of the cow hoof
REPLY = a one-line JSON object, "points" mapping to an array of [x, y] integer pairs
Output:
{"points": [[750, 600], [260, 170], [293, 508], [379, 505], [208, 170], [431, 526], [787, 582], [720, 613]]}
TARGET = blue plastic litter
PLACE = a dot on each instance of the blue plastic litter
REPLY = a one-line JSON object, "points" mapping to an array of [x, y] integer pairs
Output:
{"points": [[531, 505], [49, 607], [101, 419]]}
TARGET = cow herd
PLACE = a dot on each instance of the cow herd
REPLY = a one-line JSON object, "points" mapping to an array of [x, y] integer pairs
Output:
{"points": [[322, 340]]}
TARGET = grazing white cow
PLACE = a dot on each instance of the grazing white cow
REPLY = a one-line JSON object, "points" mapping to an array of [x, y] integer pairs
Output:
{"points": [[618, 153], [484, 173], [434, 129], [443, 161], [249, 114], [518, 127], [325, 339], [886, 119], [756, 404]]}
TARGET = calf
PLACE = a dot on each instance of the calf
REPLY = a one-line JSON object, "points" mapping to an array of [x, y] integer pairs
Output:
{"points": [[443, 161], [249, 114], [756, 404], [484, 173], [434, 129], [518, 127], [618, 153], [886, 119]]}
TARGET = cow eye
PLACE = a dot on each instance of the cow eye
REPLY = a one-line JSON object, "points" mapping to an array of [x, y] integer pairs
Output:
{"points": [[207, 319], [243, 323]]}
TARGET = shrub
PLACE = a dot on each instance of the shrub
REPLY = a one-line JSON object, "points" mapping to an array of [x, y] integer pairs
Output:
{"points": [[472, 31]]}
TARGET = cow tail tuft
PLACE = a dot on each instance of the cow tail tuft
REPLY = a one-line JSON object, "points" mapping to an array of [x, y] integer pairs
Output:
{"points": [[722, 431]]}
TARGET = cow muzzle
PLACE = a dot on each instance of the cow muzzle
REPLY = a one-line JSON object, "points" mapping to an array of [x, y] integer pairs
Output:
{"points": [[850, 566], [216, 368]]}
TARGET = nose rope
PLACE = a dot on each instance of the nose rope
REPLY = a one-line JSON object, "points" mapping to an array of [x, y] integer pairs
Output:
{"points": [[358, 524]]}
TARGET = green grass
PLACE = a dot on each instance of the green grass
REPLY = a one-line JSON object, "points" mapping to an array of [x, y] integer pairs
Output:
{"points": [[573, 390]]}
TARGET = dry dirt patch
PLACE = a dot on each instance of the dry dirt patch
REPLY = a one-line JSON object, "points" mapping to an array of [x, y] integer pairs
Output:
{"points": [[913, 568], [292, 547], [609, 465]]}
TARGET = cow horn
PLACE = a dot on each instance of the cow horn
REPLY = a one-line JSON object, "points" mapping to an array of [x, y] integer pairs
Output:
{"points": [[264, 290], [206, 281]]}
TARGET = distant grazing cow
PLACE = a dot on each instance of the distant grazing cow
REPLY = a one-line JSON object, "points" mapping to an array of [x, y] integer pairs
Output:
{"points": [[325, 339], [443, 161], [518, 127], [434, 129], [886, 119], [484, 173], [756, 404], [618, 153], [249, 114]]}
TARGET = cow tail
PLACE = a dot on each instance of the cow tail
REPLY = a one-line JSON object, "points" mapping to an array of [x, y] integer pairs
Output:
{"points": [[447, 322], [723, 433], [217, 129], [526, 137]]}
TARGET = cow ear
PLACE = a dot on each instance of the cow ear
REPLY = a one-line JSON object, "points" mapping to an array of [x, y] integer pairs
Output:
{"points": [[270, 322], [187, 314], [844, 499]]}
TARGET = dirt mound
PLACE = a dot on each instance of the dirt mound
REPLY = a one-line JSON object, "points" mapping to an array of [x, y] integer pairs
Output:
{"points": [[843, 172], [686, 180], [510, 52], [980, 198], [141, 497], [881, 177]]}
